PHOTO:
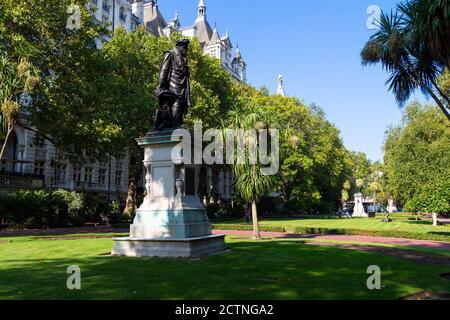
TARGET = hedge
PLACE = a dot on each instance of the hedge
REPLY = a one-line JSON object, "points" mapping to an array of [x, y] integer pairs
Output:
{"points": [[249, 227], [41, 209]]}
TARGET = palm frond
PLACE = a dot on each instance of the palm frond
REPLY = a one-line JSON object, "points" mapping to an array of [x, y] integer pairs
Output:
{"points": [[401, 84], [388, 45]]}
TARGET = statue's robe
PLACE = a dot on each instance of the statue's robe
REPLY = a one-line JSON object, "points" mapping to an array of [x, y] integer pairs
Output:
{"points": [[174, 77]]}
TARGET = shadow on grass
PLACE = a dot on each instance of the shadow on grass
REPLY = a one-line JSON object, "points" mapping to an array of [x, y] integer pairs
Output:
{"points": [[295, 271], [419, 222]]}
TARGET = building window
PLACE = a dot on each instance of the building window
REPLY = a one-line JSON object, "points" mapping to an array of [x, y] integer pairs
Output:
{"points": [[94, 2], [118, 178], [102, 177], [122, 14], [39, 168], [76, 174], [39, 142], [106, 6], [88, 175], [2, 166], [61, 171]]}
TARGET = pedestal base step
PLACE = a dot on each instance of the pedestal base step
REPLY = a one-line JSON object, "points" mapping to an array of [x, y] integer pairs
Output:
{"points": [[169, 248]]}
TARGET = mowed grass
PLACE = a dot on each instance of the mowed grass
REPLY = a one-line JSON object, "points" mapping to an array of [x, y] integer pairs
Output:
{"points": [[35, 268], [401, 226]]}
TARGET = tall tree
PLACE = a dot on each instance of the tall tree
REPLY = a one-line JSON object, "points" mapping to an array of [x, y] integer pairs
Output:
{"points": [[127, 96], [313, 161], [251, 184], [428, 24], [66, 62], [417, 160], [17, 80], [101, 100]]}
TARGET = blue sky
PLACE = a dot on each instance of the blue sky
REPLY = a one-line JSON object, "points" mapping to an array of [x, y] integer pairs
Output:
{"points": [[315, 45]]}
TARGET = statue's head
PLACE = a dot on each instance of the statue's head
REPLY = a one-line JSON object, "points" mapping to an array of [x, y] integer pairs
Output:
{"points": [[183, 46]]}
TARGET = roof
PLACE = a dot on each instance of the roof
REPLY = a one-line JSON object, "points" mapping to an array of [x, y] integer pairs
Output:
{"points": [[215, 36], [204, 31], [237, 56], [155, 22]]}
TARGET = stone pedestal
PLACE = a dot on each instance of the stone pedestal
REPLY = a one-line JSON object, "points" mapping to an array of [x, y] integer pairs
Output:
{"points": [[359, 210], [172, 222], [392, 208]]}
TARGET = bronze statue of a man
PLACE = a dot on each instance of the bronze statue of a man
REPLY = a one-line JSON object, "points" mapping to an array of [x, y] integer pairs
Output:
{"points": [[173, 91]]}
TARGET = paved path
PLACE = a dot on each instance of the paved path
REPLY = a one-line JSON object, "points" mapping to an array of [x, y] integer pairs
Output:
{"points": [[361, 239], [279, 235]]}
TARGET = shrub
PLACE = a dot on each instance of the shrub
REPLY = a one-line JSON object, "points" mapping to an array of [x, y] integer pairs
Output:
{"points": [[26, 209], [40, 209], [374, 233], [115, 216], [213, 211], [434, 197]]}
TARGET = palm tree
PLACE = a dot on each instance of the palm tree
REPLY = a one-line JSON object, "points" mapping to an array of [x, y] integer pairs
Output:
{"points": [[10, 112], [428, 22], [3, 127], [17, 79], [410, 63], [250, 182]]}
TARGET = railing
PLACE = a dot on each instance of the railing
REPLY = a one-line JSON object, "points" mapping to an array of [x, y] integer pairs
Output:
{"points": [[14, 180]]}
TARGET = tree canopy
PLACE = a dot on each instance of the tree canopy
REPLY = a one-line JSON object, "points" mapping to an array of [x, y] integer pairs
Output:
{"points": [[417, 160], [102, 99]]}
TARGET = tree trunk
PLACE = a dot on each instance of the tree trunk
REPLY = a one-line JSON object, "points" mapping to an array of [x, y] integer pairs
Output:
{"points": [[438, 101], [135, 174], [416, 77], [10, 130], [441, 93], [256, 234]]}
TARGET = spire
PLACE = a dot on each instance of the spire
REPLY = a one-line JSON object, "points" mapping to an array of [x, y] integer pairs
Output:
{"points": [[237, 54], [204, 31], [280, 89], [176, 18], [227, 41], [215, 36], [201, 8], [175, 22]]}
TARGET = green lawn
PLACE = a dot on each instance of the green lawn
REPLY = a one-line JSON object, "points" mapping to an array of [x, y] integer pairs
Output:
{"points": [[35, 268], [401, 227]]}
